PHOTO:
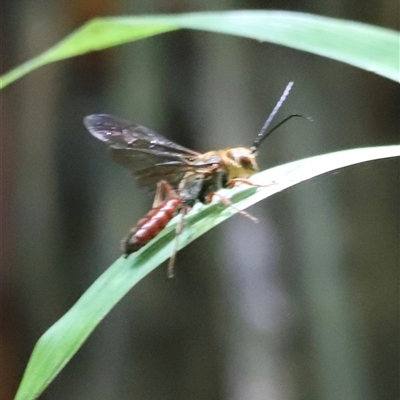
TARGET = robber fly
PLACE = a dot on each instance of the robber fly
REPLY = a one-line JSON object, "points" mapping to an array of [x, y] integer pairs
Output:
{"points": [[181, 176]]}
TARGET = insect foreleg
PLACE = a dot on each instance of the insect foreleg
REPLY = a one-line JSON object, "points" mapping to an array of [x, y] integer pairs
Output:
{"points": [[234, 181]]}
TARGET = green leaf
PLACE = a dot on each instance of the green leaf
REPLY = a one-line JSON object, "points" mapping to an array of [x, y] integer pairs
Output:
{"points": [[368, 47], [57, 346]]}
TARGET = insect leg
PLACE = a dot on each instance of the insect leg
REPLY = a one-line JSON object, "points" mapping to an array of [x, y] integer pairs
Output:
{"points": [[234, 181], [228, 203], [179, 229], [164, 191]]}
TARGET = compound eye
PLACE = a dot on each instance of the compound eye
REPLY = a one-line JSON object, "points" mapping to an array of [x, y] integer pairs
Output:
{"points": [[243, 158], [246, 161]]}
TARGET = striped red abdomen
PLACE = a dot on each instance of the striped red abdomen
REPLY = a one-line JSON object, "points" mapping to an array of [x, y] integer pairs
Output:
{"points": [[151, 225]]}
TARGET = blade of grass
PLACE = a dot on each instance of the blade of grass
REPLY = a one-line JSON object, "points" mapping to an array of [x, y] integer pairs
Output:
{"points": [[368, 47], [58, 345]]}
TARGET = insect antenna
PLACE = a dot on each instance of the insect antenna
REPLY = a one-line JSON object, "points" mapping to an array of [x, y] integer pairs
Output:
{"points": [[264, 133]]}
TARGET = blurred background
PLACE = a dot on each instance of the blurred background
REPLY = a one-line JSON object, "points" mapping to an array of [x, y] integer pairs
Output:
{"points": [[304, 305]]}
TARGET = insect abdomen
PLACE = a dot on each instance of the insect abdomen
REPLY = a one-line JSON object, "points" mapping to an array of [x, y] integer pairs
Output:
{"points": [[151, 225]]}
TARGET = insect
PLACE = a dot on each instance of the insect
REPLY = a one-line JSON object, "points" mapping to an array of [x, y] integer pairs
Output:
{"points": [[181, 176]]}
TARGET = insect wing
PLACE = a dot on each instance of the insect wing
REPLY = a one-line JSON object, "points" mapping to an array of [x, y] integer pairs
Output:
{"points": [[142, 150], [120, 134]]}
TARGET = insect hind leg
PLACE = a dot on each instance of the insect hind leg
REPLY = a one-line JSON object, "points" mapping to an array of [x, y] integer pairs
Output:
{"points": [[179, 229], [164, 191]]}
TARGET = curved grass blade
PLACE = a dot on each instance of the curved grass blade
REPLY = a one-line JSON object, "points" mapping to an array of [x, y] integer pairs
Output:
{"points": [[58, 345], [365, 46]]}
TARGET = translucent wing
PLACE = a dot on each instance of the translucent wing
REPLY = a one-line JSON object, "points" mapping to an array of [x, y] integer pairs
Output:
{"points": [[149, 156]]}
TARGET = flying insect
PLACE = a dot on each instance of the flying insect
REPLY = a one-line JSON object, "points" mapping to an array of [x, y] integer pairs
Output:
{"points": [[181, 176]]}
